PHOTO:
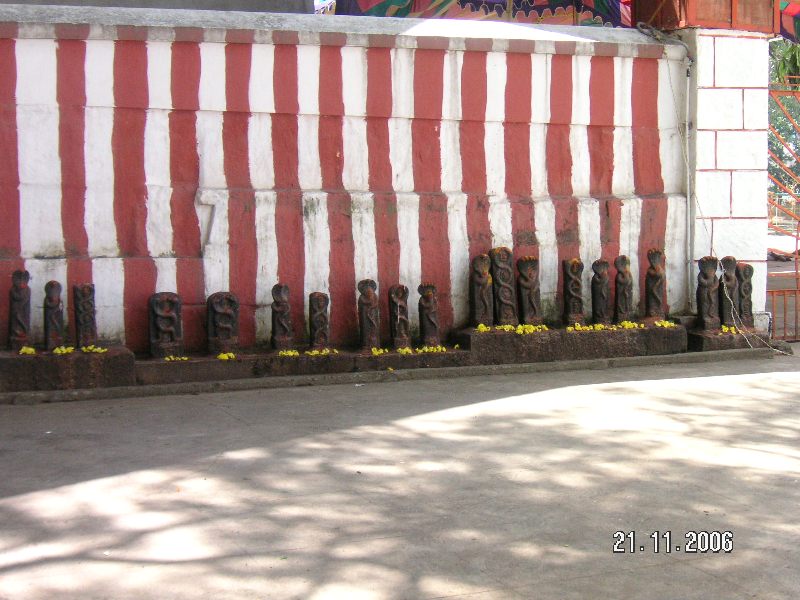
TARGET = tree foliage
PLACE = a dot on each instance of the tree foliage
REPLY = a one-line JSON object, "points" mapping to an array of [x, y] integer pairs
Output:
{"points": [[784, 62]]}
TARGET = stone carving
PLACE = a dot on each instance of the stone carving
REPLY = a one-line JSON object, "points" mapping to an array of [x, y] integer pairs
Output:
{"points": [[428, 315], [707, 294], [505, 297], [481, 298], [623, 290], [600, 288], [728, 292], [318, 323], [573, 291], [85, 319], [398, 316], [166, 329], [282, 335], [369, 315], [223, 322], [53, 316], [744, 273], [19, 310], [530, 303], [655, 284]]}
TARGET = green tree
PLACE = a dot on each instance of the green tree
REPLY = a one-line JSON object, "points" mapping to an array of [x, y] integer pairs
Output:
{"points": [[784, 63]]}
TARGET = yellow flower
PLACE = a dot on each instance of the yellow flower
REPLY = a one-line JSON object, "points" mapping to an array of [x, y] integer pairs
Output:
{"points": [[288, 353], [570, 329]]}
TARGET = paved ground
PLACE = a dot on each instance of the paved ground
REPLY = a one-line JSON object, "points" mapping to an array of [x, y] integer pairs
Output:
{"points": [[502, 487]]}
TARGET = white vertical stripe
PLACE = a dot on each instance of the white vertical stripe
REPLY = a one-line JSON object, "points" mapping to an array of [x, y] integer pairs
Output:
{"points": [[622, 182], [630, 226], [581, 165], [410, 258], [309, 169], [500, 222], [210, 150], [261, 94], [540, 84], [495, 86], [109, 294], [400, 146], [317, 245], [675, 249], [212, 212], [365, 248], [355, 171], [259, 146], [267, 270], [166, 274], [159, 79], [494, 136], [38, 149], [545, 225], [671, 87], [590, 248], [623, 79], [308, 82], [538, 150], [450, 136], [459, 257], [212, 77], [98, 161], [581, 73], [42, 271]]}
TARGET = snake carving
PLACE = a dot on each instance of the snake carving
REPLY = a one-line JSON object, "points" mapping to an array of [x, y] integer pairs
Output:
{"points": [[505, 297]]}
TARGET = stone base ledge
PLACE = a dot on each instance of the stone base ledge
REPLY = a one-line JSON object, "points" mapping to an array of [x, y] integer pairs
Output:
{"points": [[704, 341]]}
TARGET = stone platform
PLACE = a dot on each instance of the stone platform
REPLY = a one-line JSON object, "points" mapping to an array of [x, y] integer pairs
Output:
{"points": [[703, 341]]}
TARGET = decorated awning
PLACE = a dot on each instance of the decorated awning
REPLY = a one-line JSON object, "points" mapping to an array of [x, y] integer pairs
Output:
{"points": [[790, 19]]}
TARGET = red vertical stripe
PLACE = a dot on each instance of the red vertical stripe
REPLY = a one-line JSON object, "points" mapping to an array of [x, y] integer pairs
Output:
{"points": [[9, 181], [559, 155], [646, 148], [568, 240], [518, 153], [652, 235], [130, 207], [601, 126], [289, 205], [242, 248], [610, 218], [184, 173]]}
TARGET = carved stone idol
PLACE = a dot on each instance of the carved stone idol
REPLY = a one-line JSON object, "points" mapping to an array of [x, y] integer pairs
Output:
{"points": [[623, 290], [530, 303], [707, 294], [19, 311], [600, 308], [223, 322], [573, 291], [655, 284], [282, 336], [85, 320], [398, 316], [166, 328], [369, 315], [744, 273], [428, 315], [318, 324], [505, 297], [728, 291], [481, 298], [53, 316]]}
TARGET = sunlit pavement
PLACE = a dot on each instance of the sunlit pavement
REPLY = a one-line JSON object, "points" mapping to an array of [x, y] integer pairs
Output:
{"points": [[501, 487]]}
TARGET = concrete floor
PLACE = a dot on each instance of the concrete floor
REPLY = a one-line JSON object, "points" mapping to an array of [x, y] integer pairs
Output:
{"points": [[502, 487]]}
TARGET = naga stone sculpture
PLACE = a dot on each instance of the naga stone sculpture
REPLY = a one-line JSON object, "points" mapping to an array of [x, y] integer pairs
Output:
{"points": [[223, 322], [654, 285], [728, 291], [318, 323], [707, 294], [85, 319], [398, 316], [573, 291], [53, 316], [166, 329], [530, 302], [744, 273], [600, 312], [369, 315], [282, 335], [19, 310], [428, 315], [623, 290], [505, 297], [481, 298]]}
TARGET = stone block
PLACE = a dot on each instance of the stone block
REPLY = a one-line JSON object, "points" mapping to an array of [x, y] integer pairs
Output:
{"points": [[706, 150], [756, 109], [704, 59], [742, 150], [749, 194], [704, 341], [713, 192], [741, 62], [703, 235], [719, 109], [746, 239]]}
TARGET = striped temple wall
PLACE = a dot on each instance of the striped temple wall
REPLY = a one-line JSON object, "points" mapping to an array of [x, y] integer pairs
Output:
{"points": [[168, 158]]}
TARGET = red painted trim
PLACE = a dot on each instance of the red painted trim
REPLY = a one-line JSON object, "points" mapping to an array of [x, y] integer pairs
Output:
{"points": [[289, 38], [433, 43], [342, 280], [435, 253], [559, 155], [72, 31], [652, 235], [479, 231], [521, 46], [388, 247], [425, 127], [331, 108], [610, 219], [291, 253], [646, 148], [240, 36], [568, 240], [601, 126], [379, 108], [331, 38], [130, 193]]}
